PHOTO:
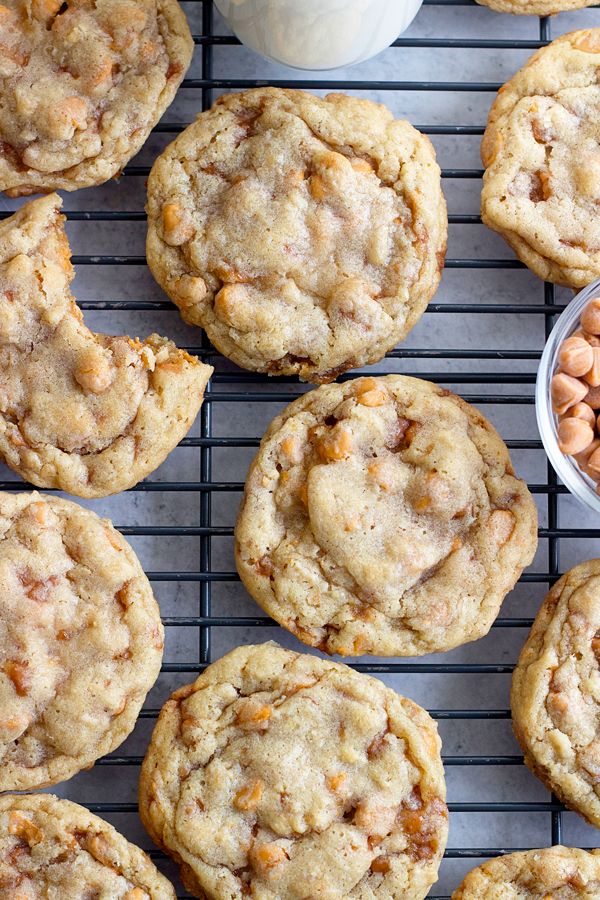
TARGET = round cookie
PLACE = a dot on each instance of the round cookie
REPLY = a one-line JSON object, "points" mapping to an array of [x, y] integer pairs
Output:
{"points": [[80, 639], [283, 776], [383, 516], [560, 873], [305, 235], [535, 7], [541, 187], [55, 848], [555, 690], [87, 413], [82, 85]]}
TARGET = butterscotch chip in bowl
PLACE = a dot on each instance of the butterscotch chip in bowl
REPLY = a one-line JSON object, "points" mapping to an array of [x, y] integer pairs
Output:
{"points": [[305, 235], [555, 691], [279, 775], [535, 875], [55, 848], [383, 516], [81, 639], [541, 187], [83, 83], [88, 413]]}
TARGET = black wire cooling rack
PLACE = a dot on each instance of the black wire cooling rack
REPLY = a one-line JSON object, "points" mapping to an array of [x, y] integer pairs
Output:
{"points": [[233, 386]]}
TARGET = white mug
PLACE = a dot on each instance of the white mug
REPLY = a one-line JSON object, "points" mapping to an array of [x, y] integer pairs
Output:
{"points": [[318, 34]]}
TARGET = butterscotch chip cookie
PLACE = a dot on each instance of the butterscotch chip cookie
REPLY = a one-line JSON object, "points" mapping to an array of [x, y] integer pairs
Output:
{"points": [[55, 848], [80, 639], [305, 235], [82, 83], [383, 516], [555, 691], [555, 872], [84, 412], [280, 775], [535, 7], [541, 187]]}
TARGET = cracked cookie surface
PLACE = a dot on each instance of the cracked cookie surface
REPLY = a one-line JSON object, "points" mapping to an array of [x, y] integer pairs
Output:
{"points": [[81, 639], [305, 235], [535, 7], [57, 849], [383, 516], [560, 873], [88, 413], [556, 691], [541, 187], [283, 776], [82, 84]]}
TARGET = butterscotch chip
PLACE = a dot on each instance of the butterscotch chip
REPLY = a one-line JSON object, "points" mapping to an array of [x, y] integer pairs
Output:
{"points": [[576, 356], [590, 317], [554, 872], [84, 412], [574, 435], [82, 85], [249, 796], [584, 412], [307, 804], [397, 530], [555, 693], [566, 392], [542, 182], [582, 459], [81, 639], [315, 228], [50, 848]]}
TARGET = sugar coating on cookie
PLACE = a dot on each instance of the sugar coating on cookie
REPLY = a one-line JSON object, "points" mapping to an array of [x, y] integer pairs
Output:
{"points": [[55, 848], [82, 83], [535, 7], [81, 639], [555, 691], [542, 182], [560, 873], [305, 235], [280, 775], [383, 516], [88, 413]]}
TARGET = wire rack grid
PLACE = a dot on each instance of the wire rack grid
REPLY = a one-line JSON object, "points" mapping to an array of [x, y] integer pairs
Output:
{"points": [[505, 808]]}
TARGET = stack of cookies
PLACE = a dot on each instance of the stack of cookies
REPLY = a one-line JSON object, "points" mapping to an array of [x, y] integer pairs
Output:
{"points": [[381, 515]]}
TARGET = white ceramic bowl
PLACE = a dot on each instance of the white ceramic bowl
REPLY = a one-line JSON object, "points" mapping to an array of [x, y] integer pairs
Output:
{"points": [[582, 487], [318, 34]]}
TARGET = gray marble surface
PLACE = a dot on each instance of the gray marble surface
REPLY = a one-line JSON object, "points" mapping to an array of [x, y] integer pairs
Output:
{"points": [[437, 330]]}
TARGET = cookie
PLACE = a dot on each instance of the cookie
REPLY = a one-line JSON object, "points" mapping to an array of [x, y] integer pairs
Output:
{"points": [[305, 235], [555, 872], [87, 413], [81, 639], [82, 85], [57, 849], [541, 187], [383, 516], [554, 695], [276, 770], [535, 7]]}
